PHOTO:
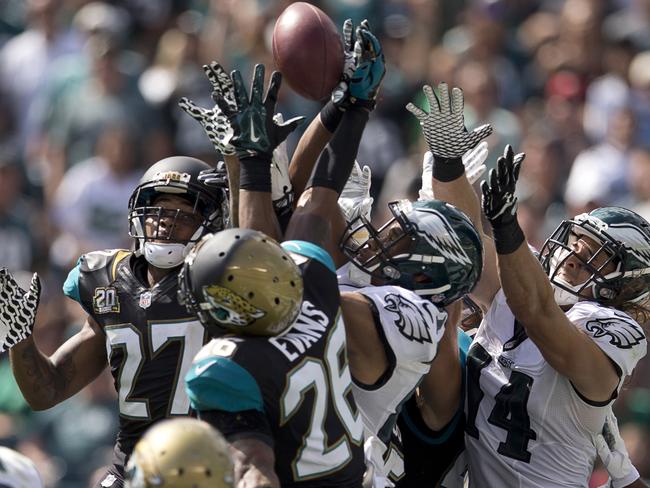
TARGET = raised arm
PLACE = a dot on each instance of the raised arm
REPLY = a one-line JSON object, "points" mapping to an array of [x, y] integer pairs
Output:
{"points": [[317, 207], [448, 140], [322, 128], [440, 390], [529, 293], [220, 132], [45, 381], [254, 463], [257, 133]]}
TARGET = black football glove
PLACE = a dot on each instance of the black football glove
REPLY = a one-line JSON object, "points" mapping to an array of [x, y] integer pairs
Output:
{"points": [[499, 201], [17, 309]]}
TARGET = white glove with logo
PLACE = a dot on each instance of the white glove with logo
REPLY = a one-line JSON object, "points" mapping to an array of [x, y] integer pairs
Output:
{"points": [[443, 126], [355, 199], [281, 188], [473, 160], [612, 452], [214, 122], [17, 309]]}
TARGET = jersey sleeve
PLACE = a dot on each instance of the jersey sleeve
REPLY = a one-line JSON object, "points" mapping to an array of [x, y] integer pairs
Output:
{"points": [[93, 270], [616, 333], [412, 326], [71, 285], [219, 383], [309, 251]]}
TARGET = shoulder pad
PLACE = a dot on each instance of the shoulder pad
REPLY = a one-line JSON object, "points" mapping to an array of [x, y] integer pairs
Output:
{"points": [[219, 383], [96, 260], [615, 332], [412, 325]]}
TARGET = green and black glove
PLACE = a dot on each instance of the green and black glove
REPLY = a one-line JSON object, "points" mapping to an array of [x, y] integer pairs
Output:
{"points": [[257, 133]]}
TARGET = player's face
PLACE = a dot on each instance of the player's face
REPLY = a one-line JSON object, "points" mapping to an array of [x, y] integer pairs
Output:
{"points": [[175, 222], [573, 270], [392, 239]]}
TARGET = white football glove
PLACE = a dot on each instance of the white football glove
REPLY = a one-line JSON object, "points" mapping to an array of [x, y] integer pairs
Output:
{"points": [[214, 122], [355, 199], [281, 188], [443, 126], [473, 160], [17, 309], [612, 452], [351, 55]]}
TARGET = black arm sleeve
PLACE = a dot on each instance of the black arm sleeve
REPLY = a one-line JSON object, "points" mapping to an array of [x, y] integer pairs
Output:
{"points": [[335, 162]]}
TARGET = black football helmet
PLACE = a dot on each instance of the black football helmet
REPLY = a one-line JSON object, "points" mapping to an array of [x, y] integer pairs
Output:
{"points": [[429, 247], [242, 281], [624, 242], [178, 175]]}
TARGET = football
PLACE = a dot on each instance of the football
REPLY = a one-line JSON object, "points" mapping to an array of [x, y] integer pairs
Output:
{"points": [[308, 51]]}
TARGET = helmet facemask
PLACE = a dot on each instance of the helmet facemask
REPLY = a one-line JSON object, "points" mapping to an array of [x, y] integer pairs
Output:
{"points": [[606, 278], [156, 227], [402, 254]]}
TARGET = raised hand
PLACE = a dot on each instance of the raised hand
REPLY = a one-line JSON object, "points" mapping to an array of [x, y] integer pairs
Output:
{"points": [[355, 199], [612, 452], [499, 201], [443, 126], [351, 54], [17, 309], [217, 176], [370, 70], [473, 161], [214, 122], [281, 188], [256, 133]]}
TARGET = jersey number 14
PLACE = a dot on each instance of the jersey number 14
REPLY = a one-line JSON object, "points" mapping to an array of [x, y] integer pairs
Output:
{"points": [[510, 411]]}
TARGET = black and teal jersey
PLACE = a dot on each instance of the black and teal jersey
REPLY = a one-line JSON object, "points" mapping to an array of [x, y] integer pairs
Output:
{"points": [[292, 391], [150, 339], [434, 459]]}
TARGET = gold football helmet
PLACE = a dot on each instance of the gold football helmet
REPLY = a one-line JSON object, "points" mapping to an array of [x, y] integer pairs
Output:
{"points": [[180, 453], [243, 281]]}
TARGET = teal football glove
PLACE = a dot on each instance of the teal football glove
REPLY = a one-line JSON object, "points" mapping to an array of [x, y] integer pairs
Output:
{"points": [[370, 71], [351, 55]]}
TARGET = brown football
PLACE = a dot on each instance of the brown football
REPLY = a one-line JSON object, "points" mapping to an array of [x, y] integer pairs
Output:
{"points": [[308, 51]]}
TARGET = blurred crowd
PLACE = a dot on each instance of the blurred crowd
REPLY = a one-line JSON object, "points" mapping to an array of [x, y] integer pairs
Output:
{"points": [[89, 92]]}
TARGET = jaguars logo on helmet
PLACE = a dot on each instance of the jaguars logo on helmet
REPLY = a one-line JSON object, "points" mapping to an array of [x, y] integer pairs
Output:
{"points": [[437, 254], [180, 453], [243, 281], [229, 308]]}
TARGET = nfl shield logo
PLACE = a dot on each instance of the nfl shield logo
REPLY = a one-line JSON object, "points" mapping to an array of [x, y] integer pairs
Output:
{"points": [[145, 299]]}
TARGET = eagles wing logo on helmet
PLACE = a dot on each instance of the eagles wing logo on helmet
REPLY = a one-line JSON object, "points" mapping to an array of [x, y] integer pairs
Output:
{"points": [[440, 235], [411, 320], [634, 239], [229, 308], [622, 334]]}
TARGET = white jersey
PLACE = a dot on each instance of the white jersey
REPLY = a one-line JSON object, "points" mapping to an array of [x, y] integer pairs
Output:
{"points": [[526, 424], [411, 327]]}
